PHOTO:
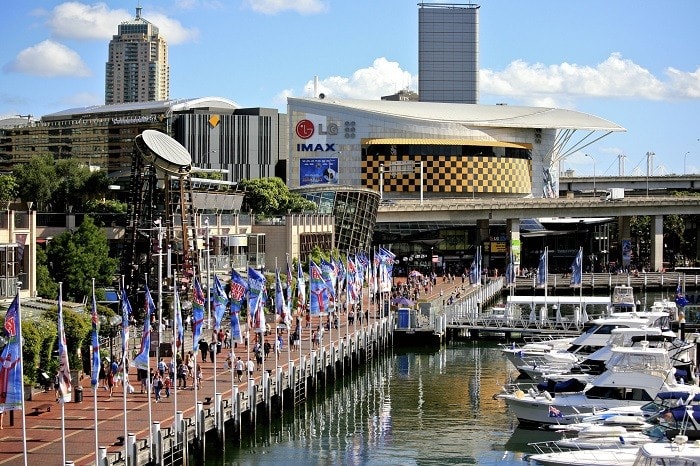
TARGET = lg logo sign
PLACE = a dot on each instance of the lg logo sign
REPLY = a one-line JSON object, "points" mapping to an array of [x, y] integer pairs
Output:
{"points": [[305, 129]]}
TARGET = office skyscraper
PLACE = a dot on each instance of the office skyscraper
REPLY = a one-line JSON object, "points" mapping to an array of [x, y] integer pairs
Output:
{"points": [[137, 69], [448, 53]]}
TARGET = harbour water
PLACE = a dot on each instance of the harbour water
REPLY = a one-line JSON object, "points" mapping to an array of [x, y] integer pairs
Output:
{"points": [[406, 408], [409, 407]]}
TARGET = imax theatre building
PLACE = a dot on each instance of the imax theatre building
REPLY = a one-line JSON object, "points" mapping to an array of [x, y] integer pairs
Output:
{"points": [[407, 149]]}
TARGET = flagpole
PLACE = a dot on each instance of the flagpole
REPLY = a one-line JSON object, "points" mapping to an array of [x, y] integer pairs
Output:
{"points": [[149, 379], [21, 363], [177, 322], [125, 348], [93, 377], [61, 356]]}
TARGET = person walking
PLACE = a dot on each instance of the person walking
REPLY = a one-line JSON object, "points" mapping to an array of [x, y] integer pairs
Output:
{"points": [[157, 386], [167, 383], [239, 368], [250, 365]]}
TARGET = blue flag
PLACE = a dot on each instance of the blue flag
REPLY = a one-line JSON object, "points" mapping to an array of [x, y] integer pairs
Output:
{"points": [[510, 272], [126, 315], [220, 301], [541, 279], [681, 300], [318, 295], [141, 361], [95, 343], [11, 367], [256, 300], [179, 328], [475, 269], [577, 269], [197, 314], [237, 294]]}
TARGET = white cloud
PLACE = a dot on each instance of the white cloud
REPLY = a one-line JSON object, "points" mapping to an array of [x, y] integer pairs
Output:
{"points": [[75, 20], [48, 59], [521, 83], [271, 7], [382, 78], [559, 85]]}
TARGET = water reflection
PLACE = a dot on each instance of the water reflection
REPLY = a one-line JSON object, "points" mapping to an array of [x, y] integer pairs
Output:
{"points": [[406, 408]]}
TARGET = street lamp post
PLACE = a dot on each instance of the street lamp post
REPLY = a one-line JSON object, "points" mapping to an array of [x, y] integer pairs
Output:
{"points": [[206, 224], [381, 181], [593, 159], [650, 156], [684, 165]]}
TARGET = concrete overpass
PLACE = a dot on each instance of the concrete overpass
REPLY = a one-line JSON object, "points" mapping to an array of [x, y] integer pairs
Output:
{"points": [[633, 185], [481, 211]]}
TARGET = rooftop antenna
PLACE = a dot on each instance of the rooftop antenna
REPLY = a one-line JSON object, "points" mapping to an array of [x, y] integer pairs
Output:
{"points": [[28, 117], [138, 9]]}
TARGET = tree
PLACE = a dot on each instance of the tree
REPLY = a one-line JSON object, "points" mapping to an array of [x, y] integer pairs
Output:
{"points": [[8, 189], [37, 181], [76, 257], [270, 196], [46, 287]]}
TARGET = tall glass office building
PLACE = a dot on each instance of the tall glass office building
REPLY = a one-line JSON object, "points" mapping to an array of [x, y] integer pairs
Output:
{"points": [[448, 53]]}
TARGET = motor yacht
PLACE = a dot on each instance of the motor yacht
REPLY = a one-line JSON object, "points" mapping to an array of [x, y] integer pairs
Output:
{"points": [[634, 376]]}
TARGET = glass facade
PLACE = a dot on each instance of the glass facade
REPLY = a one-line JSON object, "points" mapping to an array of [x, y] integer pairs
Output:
{"points": [[355, 212]]}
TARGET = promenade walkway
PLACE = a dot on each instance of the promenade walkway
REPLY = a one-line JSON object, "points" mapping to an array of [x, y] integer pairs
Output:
{"points": [[44, 435]]}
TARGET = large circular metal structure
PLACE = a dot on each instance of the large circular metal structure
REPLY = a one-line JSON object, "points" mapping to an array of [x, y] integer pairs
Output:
{"points": [[164, 152]]}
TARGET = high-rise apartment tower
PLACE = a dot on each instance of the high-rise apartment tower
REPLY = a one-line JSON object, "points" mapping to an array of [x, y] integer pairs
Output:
{"points": [[448, 53], [137, 69]]}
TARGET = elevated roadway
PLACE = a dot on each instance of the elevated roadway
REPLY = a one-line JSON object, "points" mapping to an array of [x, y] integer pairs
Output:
{"points": [[472, 210]]}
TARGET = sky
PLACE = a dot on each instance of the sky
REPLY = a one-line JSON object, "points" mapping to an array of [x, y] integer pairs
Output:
{"points": [[633, 62]]}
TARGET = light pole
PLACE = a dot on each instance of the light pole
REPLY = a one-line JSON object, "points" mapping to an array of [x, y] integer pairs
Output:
{"points": [[589, 155], [650, 156], [381, 181], [684, 159], [206, 224], [159, 224]]}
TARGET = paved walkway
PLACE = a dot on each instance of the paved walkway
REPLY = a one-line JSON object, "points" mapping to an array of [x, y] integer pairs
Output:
{"points": [[44, 433]]}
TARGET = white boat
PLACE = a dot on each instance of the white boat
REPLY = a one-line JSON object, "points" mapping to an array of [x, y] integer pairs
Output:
{"points": [[538, 360], [634, 377], [623, 298], [679, 452]]}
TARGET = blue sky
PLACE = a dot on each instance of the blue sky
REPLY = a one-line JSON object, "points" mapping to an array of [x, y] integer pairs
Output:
{"points": [[633, 62]]}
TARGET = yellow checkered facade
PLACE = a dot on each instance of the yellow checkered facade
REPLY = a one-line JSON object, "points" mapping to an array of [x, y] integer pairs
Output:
{"points": [[450, 174]]}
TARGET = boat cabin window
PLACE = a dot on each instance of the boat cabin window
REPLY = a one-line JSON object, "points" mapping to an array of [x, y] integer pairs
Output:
{"points": [[618, 393]]}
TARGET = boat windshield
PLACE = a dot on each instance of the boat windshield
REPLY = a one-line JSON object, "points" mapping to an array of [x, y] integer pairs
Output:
{"points": [[655, 363]]}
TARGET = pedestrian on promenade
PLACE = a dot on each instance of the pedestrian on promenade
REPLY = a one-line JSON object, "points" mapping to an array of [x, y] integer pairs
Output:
{"points": [[239, 368], [199, 376], [161, 367], [251, 367], [167, 383], [103, 375], [212, 348], [157, 385], [204, 349], [182, 373]]}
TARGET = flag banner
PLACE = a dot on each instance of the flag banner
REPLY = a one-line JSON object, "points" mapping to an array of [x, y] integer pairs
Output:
{"points": [[281, 308], [475, 269], [681, 300], [290, 290], [257, 293], [64, 381], [301, 291], [179, 328], [318, 295], [126, 315], [141, 360], [510, 272], [220, 301], [541, 278], [351, 291], [577, 269], [341, 274], [237, 294], [21, 242], [95, 343], [197, 314], [329, 278], [11, 367]]}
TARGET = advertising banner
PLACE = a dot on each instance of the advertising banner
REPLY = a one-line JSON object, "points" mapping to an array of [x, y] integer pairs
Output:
{"points": [[318, 171]]}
